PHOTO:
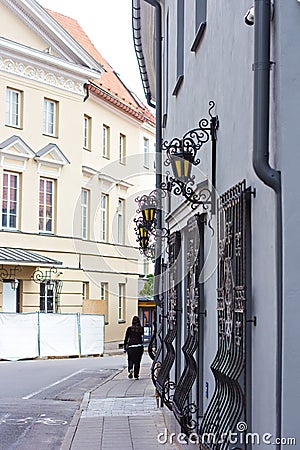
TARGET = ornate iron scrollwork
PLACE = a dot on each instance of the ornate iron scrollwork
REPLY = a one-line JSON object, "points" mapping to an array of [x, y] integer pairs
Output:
{"points": [[40, 276], [182, 155], [146, 224], [164, 385], [227, 405], [186, 411]]}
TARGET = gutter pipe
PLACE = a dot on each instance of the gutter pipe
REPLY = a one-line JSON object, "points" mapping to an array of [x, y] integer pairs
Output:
{"points": [[158, 153], [262, 168]]}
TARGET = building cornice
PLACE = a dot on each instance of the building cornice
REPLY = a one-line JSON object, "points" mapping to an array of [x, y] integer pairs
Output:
{"points": [[28, 63], [116, 102]]}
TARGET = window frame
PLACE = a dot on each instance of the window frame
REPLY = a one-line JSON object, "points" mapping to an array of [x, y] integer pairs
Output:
{"points": [[121, 221], [46, 122], [9, 200], [104, 211], [122, 148], [52, 218], [85, 209], [85, 290], [9, 113], [104, 297], [121, 302], [146, 152], [105, 141], [48, 286], [87, 132], [200, 22]]}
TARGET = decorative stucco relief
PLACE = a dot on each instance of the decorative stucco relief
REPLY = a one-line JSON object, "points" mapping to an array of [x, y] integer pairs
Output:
{"points": [[40, 75]]}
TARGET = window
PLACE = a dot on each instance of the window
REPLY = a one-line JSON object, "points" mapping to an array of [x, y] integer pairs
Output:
{"points": [[200, 22], [85, 290], [121, 303], [46, 205], [84, 214], [103, 217], [180, 45], [48, 297], [87, 132], [50, 117], [13, 107], [105, 141], [145, 266], [146, 152], [121, 207], [10, 198], [122, 148], [103, 291], [104, 297]]}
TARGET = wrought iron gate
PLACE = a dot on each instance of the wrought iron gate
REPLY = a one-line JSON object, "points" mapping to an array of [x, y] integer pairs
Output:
{"points": [[164, 385], [185, 408], [228, 404]]}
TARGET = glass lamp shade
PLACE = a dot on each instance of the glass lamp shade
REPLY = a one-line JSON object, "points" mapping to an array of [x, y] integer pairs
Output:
{"points": [[14, 284], [143, 237], [149, 215], [181, 163]]}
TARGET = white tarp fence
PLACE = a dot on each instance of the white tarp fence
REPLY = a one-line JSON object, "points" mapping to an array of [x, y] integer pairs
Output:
{"points": [[32, 335]]}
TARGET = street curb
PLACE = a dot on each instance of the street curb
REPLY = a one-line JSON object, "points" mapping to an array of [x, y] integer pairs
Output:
{"points": [[70, 434]]}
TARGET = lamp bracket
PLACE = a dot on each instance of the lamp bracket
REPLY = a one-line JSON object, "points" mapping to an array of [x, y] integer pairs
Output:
{"points": [[195, 198], [194, 139], [40, 276], [9, 274]]}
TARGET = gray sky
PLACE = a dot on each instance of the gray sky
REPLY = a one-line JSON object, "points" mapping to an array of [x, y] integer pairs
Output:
{"points": [[108, 25]]}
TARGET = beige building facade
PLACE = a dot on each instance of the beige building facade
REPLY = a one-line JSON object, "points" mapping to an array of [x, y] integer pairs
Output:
{"points": [[75, 151]]}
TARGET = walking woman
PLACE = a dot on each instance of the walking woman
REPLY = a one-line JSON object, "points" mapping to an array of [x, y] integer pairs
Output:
{"points": [[133, 344]]}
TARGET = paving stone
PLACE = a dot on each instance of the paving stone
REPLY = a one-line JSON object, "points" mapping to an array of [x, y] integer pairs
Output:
{"points": [[122, 413]]}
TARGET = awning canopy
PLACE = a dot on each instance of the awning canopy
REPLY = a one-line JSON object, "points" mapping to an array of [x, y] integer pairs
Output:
{"points": [[10, 255]]}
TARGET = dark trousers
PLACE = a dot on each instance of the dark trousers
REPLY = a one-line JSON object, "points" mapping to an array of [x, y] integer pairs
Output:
{"points": [[134, 359]]}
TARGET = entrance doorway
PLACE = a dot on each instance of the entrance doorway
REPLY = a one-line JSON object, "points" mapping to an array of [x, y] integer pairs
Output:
{"points": [[146, 316], [10, 298]]}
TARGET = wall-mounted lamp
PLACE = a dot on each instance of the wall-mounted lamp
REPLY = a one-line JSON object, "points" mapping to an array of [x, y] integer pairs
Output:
{"points": [[148, 206], [182, 155], [146, 224], [143, 234], [9, 274], [14, 284]]}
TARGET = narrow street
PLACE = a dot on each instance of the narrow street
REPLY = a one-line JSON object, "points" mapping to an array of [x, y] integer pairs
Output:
{"points": [[39, 398]]}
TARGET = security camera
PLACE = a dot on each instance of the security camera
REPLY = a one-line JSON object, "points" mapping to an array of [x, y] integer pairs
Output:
{"points": [[249, 16]]}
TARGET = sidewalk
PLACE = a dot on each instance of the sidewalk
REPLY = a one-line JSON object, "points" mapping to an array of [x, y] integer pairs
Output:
{"points": [[120, 413]]}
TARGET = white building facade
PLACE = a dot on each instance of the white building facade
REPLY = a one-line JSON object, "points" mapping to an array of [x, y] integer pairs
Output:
{"points": [[73, 156], [225, 355]]}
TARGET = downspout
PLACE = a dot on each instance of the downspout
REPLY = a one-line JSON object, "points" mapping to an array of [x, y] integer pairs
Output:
{"points": [[261, 165], [158, 154], [87, 91]]}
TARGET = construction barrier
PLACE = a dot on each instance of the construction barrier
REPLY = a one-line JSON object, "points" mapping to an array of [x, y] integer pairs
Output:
{"points": [[33, 335]]}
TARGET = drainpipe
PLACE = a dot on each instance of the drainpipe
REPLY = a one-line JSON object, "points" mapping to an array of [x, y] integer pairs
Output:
{"points": [[158, 154], [87, 91], [261, 165]]}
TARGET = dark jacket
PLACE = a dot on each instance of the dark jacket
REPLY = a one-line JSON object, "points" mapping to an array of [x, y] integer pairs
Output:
{"points": [[133, 336]]}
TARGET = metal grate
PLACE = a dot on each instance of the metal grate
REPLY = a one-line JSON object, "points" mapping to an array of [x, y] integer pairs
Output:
{"points": [[228, 404]]}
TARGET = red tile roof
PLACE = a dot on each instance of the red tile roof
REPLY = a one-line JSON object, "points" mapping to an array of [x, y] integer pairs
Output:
{"points": [[109, 87]]}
